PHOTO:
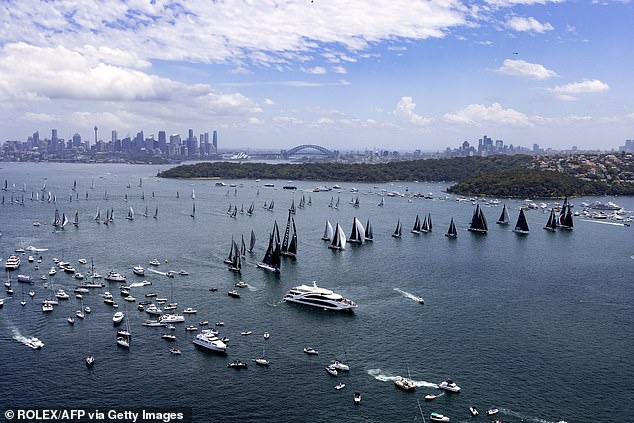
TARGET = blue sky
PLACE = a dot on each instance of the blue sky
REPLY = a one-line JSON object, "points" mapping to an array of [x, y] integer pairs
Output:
{"points": [[346, 74]]}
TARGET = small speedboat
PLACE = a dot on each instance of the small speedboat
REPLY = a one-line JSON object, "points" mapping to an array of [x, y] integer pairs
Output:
{"points": [[437, 417], [331, 370], [71, 321], [183, 273], [357, 397], [191, 328], [492, 411], [449, 385], [189, 310], [233, 293], [241, 284], [473, 411], [246, 333], [203, 323], [220, 323], [266, 335], [261, 361], [238, 365], [430, 397], [155, 262], [340, 386], [311, 351], [175, 351], [90, 361], [168, 337]]}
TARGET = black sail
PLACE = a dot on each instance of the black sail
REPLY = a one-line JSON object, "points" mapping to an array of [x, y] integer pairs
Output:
{"points": [[522, 225]]}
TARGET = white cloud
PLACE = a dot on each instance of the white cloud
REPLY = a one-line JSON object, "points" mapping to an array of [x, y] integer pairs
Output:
{"points": [[224, 31], [38, 117], [569, 92], [255, 121], [405, 110], [630, 116], [339, 69], [479, 114], [317, 70], [525, 69], [529, 24], [509, 3], [268, 102]]}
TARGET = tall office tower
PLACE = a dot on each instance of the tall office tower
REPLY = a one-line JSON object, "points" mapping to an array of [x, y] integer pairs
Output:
{"points": [[162, 142], [54, 135], [96, 134], [114, 136], [76, 140], [36, 137], [190, 134], [215, 142]]}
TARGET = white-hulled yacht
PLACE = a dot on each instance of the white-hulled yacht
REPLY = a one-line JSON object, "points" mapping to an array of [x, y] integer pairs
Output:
{"points": [[318, 297], [172, 318], [138, 270], [208, 340], [449, 385], [114, 276], [118, 317], [35, 343], [12, 263]]}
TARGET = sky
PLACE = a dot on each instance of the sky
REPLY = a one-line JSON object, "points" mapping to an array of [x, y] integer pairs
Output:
{"points": [[344, 74]]}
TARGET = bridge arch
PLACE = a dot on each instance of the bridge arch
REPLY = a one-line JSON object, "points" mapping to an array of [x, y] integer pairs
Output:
{"points": [[312, 149]]}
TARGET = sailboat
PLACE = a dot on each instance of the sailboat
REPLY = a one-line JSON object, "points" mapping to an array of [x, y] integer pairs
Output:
{"points": [[332, 199], [565, 216], [155, 213], [452, 232], [124, 336], [243, 247], [478, 221], [271, 205], [521, 227], [504, 217], [193, 194], [289, 243], [250, 209], [130, 214], [328, 232], [98, 216], [229, 259], [382, 202], [358, 232], [193, 210], [416, 228], [369, 236], [92, 184], [336, 206], [242, 208], [272, 257], [236, 262], [399, 229], [145, 213], [57, 220], [140, 182], [356, 202], [551, 225], [292, 209], [64, 220], [310, 201], [90, 359], [426, 226], [234, 213], [302, 202], [76, 220], [261, 360], [251, 241], [338, 239]]}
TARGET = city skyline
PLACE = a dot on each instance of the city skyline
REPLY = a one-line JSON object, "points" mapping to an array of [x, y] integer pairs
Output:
{"points": [[275, 74]]}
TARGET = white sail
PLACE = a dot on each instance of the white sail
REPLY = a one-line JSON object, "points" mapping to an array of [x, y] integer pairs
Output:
{"points": [[328, 232], [193, 194], [342, 238], [358, 231]]}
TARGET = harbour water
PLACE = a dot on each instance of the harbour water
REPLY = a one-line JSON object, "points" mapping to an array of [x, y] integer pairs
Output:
{"points": [[539, 326]]}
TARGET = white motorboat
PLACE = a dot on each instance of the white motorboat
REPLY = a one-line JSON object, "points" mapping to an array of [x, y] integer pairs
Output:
{"points": [[210, 341], [311, 351], [436, 417], [12, 263], [34, 343], [30, 259], [406, 384], [118, 317], [79, 275], [90, 361], [155, 262], [331, 370], [190, 310], [123, 341], [183, 273], [172, 318], [52, 272], [241, 284], [82, 261], [237, 364], [153, 310], [47, 307], [138, 270], [70, 320], [261, 361], [168, 337], [340, 386], [449, 385], [266, 335], [357, 398], [474, 411], [114, 276], [175, 351], [492, 411], [153, 323], [430, 397], [319, 297], [61, 294], [246, 333], [191, 329], [340, 366]]}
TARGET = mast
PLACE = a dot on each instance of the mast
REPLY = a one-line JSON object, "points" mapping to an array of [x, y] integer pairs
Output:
{"points": [[252, 242], [504, 217], [521, 227], [369, 236]]}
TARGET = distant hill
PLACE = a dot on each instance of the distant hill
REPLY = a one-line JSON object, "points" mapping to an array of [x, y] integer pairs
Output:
{"points": [[454, 169], [527, 183]]}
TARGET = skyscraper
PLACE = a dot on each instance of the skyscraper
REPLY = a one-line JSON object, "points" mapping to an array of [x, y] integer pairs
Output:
{"points": [[215, 142], [114, 136]]}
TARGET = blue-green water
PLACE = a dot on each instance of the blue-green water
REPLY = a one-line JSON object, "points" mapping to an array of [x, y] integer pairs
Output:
{"points": [[540, 326]]}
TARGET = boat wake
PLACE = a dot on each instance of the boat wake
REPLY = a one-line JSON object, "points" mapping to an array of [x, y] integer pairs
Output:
{"points": [[408, 295], [19, 337], [386, 377], [158, 272], [523, 417], [604, 223], [139, 284]]}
